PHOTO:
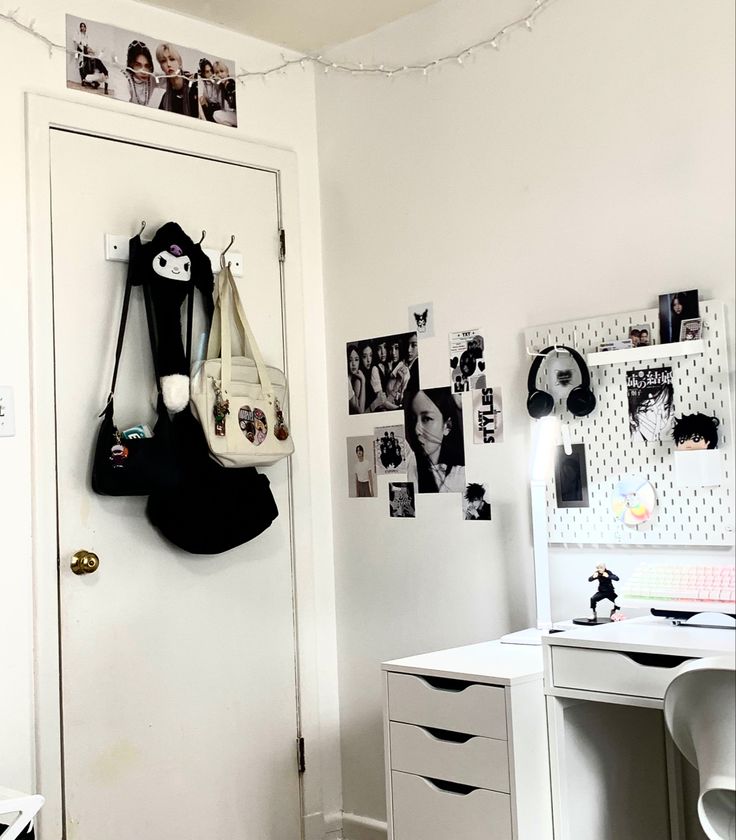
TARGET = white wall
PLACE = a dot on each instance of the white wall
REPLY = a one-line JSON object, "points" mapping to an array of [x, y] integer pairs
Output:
{"points": [[581, 170], [279, 112]]}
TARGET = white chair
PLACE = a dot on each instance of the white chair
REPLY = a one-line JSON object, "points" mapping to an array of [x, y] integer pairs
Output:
{"points": [[25, 805], [700, 712]]}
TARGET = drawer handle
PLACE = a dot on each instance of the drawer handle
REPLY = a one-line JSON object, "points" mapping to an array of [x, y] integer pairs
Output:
{"points": [[657, 660], [450, 787], [447, 735], [446, 684]]}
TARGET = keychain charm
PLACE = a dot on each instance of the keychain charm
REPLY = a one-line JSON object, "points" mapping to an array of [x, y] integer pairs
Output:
{"points": [[220, 411], [118, 452], [281, 430]]}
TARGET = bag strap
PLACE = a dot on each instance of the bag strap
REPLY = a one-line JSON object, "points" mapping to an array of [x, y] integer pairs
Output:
{"points": [[121, 336], [227, 296]]}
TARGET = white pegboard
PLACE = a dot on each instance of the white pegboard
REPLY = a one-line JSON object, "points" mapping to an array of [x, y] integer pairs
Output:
{"points": [[684, 516]]}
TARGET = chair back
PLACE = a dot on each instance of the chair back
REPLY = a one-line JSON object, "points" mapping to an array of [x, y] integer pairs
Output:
{"points": [[700, 712]]}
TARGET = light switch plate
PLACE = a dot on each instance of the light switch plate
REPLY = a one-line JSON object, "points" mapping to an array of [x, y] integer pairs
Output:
{"points": [[7, 411]]}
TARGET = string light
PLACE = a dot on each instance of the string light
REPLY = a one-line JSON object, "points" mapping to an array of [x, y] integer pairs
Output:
{"points": [[355, 69]]}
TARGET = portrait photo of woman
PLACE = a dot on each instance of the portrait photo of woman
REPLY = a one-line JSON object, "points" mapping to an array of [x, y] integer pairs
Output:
{"points": [[673, 310], [361, 468], [433, 421]]}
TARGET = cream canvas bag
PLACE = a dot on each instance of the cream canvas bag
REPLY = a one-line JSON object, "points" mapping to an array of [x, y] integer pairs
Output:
{"points": [[239, 400]]}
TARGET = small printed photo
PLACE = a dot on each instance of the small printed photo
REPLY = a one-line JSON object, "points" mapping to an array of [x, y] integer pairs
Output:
{"points": [[475, 505], [361, 468], [381, 371], [421, 319], [691, 330], [390, 450], [622, 344], [674, 309], [487, 416], [401, 503], [640, 335], [571, 477], [467, 365]]}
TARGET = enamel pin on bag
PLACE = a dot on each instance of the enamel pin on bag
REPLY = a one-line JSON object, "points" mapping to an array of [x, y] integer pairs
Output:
{"points": [[239, 400]]}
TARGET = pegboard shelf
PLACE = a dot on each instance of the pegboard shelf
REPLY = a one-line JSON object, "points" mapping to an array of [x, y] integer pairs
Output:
{"points": [[685, 515], [642, 354]]}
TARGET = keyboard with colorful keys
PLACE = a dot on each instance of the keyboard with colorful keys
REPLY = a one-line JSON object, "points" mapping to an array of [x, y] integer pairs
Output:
{"points": [[681, 588]]}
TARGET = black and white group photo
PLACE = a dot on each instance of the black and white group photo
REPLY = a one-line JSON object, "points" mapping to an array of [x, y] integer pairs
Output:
{"points": [[381, 371], [151, 72], [390, 447]]}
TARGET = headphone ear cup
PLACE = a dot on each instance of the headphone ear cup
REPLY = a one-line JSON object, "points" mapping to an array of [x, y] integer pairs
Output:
{"points": [[540, 404], [581, 401]]}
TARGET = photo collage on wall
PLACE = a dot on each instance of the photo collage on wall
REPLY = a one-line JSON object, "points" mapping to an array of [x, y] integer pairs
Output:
{"points": [[150, 72], [428, 447]]}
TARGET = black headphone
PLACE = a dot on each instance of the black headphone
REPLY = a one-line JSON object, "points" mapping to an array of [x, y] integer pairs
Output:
{"points": [[580, 401]]}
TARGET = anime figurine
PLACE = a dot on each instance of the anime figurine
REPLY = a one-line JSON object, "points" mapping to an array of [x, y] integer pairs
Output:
{"points": [[605, 578], [695, 431], [170, 265]]}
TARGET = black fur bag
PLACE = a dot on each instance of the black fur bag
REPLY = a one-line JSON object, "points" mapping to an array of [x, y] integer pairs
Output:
{"points": [[211, 508]]}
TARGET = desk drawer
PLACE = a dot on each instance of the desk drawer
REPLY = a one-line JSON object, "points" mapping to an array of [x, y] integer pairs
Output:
{"points": [[424, 811], [448, 704], [612, 672], [477, 761]]}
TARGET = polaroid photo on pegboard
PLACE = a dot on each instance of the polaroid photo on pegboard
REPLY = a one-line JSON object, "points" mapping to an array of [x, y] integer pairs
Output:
{"points": [[421, 319], [571, 477]]}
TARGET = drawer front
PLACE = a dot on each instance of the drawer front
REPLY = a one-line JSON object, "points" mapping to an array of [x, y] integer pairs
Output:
{"points": [[478, 761], [423, 811], [608, 671], [461, 707]]}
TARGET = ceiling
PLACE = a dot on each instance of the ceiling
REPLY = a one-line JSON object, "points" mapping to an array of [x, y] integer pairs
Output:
{"points": [[303, 25]]}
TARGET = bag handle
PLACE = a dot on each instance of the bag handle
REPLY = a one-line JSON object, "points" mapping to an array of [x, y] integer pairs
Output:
{"points": [[227, 294], [134, 242]]}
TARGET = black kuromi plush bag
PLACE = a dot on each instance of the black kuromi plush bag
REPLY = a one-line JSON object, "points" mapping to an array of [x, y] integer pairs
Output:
{"points": [[208, 509]]}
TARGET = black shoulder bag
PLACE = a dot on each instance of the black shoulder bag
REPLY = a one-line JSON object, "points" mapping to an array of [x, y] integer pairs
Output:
{"points": [[136, 466]]}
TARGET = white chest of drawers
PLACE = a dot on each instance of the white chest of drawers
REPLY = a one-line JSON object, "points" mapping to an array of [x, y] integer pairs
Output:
{"points": [[466, 745]]}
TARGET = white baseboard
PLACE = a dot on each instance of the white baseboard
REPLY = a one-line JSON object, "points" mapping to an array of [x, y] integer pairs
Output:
{"points": [[355, 827]]}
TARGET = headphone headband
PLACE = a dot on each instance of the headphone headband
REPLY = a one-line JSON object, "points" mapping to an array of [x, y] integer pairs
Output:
{"points": [[537, 364]]}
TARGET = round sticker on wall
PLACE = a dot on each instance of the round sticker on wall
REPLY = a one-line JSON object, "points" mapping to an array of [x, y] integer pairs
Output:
{"points": [[634, 501]]}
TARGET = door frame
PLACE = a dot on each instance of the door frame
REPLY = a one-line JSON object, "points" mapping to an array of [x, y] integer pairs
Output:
{"points": [[43, 114]]}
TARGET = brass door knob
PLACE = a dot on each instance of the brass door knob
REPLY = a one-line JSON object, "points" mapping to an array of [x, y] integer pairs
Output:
{"points": [[85, 562]]}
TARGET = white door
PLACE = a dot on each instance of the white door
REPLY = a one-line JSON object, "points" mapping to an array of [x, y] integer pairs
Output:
{"points": [[179, 696]]}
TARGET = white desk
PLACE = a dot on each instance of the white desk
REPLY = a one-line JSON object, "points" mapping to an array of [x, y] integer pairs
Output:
{"points": [[615, 772]]}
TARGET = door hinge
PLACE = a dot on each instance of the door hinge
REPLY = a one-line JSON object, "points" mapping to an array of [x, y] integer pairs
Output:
{"points": [[282, 244], [300, 759]]}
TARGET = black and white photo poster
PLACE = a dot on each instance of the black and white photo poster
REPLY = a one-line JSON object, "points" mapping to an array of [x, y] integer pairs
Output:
{"points": [[467, 365], [401, 504], [150, 72], [433, 422], [487, 416], [390, 448], [361, 468], [673, 310], [651, 404], [475, 506], [381, 371]]}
